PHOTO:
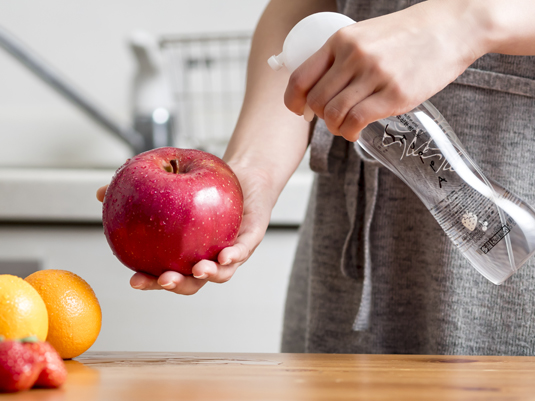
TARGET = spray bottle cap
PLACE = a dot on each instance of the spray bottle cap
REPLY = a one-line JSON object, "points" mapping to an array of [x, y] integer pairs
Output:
{"points": [[305, 39]]}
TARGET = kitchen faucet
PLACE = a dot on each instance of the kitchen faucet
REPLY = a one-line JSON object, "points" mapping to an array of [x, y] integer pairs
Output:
{"points": [[150, 130]]}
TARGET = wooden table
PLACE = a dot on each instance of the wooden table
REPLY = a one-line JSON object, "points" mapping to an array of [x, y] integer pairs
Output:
{"points": [[280, 377]]}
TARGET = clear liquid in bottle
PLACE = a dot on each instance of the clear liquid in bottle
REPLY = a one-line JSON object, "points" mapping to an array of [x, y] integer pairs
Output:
{"points": [[493, 228]]}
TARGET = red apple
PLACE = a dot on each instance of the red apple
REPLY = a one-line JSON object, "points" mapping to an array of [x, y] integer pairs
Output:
{"points": [[168, 208]]}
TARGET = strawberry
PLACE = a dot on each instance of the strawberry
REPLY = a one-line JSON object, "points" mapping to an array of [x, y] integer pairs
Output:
{"points": [[53, 373], [19, 367]]}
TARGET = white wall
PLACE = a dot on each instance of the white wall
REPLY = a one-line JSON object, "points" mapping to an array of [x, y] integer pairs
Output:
{"points": [[86, 41]]}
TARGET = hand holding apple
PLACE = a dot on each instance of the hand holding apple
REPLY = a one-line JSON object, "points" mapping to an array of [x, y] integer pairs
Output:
{"points": [[259, 198], [169, 208]]}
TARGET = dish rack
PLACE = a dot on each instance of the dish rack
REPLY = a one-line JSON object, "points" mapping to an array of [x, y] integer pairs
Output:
{"points": [[206, 75], [187, 90]]}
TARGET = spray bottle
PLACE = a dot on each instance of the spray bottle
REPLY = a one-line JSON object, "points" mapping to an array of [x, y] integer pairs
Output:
{"points": [[492, 227]]}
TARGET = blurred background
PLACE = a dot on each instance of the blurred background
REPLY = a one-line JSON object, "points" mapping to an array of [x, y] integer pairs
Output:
{"points": [[124, 76]]}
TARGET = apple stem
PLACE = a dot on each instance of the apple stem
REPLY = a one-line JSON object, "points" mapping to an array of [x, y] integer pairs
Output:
{"points": [[174, 164]]}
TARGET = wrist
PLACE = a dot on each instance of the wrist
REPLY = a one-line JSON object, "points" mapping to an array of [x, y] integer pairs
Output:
{"points": [[509, 26], [482, 25], [258, 179], [467, 27], [485, 26]]}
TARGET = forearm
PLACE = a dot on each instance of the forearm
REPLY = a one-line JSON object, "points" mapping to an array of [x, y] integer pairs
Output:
{"points": [[490, 26], [268, 137]]}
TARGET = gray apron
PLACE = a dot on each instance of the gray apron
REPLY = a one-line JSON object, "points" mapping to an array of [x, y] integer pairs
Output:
{"points": [[374, 272]]}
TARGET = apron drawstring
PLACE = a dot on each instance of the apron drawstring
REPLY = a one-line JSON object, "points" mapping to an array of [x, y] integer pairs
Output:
{"points": [[361, 183]]}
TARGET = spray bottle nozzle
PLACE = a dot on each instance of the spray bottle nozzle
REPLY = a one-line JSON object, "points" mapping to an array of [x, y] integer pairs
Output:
{"points": [[276, 62]]}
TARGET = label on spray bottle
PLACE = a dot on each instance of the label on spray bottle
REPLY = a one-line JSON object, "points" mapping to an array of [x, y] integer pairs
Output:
{"points": [[470, 219]]}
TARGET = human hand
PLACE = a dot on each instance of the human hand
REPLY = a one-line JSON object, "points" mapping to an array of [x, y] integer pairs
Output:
{"points": [[385, 66], [257, 211]]}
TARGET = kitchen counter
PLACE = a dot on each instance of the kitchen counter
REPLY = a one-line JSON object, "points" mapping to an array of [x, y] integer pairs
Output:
{"points": [[68, 195], [217, 376]]}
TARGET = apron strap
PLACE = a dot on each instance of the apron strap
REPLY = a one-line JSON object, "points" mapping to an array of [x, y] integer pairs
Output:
{"points": [[360, 186]]}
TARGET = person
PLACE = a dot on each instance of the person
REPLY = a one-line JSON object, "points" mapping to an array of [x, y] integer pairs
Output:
{"points": [[373, 272]]}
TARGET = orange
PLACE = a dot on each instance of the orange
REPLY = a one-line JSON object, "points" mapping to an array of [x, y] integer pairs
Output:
{"points": [[74, 315], [22, 310]]}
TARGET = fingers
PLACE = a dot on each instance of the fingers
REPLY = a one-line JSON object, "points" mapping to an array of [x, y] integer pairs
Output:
{"points": [[241, 250], [305, 77], [332, 87], [101, 192], [214, 272], [329, 85], [229, 259], [141, 281], [170, 281], [373, 108], [204, 271], [180, 284], [336, 110]]}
